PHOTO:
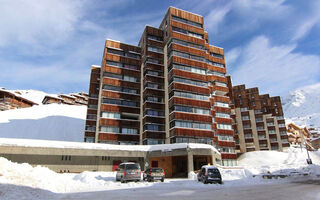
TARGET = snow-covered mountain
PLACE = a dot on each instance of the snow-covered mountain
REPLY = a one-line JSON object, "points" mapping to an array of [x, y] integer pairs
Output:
{"points": [[46, 122], [302, 106]]}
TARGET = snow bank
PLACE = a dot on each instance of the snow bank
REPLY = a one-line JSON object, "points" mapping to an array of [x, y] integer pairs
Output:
{"points": [[47, 122], [293, 160]]}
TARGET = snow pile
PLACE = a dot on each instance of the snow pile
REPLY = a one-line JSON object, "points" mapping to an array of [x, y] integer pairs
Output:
{"points": [[302, 106], [32, 95], [292, 161], [48, 122]]}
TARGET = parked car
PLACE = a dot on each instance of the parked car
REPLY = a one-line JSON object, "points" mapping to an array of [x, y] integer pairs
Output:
{"points": [[209, 174], [152, 174], [128, 172]]}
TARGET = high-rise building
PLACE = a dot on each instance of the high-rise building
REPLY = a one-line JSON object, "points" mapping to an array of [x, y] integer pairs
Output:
{"points": [[258, 120], [171, 88]]}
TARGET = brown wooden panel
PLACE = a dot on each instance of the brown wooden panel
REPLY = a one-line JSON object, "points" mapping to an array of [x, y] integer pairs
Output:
{"points": [[228, 156], [189, 102], [115, 95], [186, 15], [187, 27], [191, 133], [223, 120], [116, 82], [224, 132], [221, 109], [115, 108], [187, 38], [190, 117], [118, 137], [189, 75], [190, 88], [226, 144], [121, 123]]}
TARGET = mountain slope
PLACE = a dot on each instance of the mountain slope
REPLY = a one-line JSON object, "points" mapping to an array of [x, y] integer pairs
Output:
{"points": [[302, 106]]}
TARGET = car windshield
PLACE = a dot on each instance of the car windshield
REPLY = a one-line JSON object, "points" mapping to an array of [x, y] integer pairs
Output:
{"points": [[132, 166], [213, 171], [156, 170]]}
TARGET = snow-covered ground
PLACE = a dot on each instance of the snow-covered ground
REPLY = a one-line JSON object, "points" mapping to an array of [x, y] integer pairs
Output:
{"points": [[47, 122], [253, 163]]}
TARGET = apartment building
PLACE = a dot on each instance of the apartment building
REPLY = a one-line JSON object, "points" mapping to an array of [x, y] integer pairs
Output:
{"points": [[171, 88], [258, 120]]}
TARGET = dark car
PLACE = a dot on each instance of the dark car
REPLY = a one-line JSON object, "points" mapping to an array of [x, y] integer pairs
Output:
{"points": [[209, 174], [128, 172], [152, 174]]}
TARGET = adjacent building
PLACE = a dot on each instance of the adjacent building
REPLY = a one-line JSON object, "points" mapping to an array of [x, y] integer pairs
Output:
{"points": [[72, 99], [299, 136], [11, 100], [171, 88], [258, 120]]}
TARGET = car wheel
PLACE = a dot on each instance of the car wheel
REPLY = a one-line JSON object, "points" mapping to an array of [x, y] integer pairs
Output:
{"points": [[162, 180], [123, 181], [204, 181], [149, 179], [220, 182]]}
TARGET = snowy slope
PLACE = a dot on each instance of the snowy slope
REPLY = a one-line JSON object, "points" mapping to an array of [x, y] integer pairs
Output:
{"points": [[47, 122], [302, 106], [32, 95]]}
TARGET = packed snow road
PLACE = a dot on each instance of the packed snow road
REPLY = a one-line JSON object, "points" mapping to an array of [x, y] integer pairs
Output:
{"points": [[296, 190]]}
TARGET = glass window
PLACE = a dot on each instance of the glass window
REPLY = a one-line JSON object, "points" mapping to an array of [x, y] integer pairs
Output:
{"points": [[110, 115], [109, 129]]}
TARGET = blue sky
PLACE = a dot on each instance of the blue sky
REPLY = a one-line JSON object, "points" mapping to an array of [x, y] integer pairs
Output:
{"points": [[51, 45]]}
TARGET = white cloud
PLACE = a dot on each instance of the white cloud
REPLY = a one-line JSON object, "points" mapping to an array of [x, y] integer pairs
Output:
{"points": [[310, 20], [39, 23], [248, 15], [274, 69]]}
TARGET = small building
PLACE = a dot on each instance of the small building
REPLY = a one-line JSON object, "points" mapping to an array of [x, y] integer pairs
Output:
{"points": [[10, 100], [176, 159], [80, 99], [298, 135], [68, 99], [52, 99]]}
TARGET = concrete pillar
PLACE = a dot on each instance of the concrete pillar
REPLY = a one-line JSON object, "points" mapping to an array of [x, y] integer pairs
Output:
{"points": [[190, 162], [213, 158]]}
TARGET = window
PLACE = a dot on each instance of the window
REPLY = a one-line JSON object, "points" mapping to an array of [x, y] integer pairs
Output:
{"points": [[225, 138], [191, 95], [153, 127], [110, 115], [183, 31], [271, 132], [153, 98], [215, 64], [119, 102], [120, 89], [155, 49], [220, 84], [195, 125], [224, 126], [192, 110], [90, 128], [245, 117], [129, 131], [186, 21], [154, 113], [282, 125], [154, 73], [259, 119], [190, 82], [122, 65], [216, 73], [188, 44], [222, 115], [243, 109], [270, 124], [189, 69], [109, 129], [216, 55], [120, 76], [227, 150], [152, 37], [221, 104]]}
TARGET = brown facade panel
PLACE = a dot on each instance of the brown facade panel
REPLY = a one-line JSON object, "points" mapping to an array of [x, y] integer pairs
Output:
{"points": [[118, 137], [116, 95], [189, 88], [115, 108], [189, 62], [122, 123], [228, 156], [223, 120], [224, 132], [189, 75], [190, 117], [189, 102], [189, 50], [121, 83], [191, 133]]}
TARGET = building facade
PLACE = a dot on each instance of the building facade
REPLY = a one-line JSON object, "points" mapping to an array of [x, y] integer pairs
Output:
{"points": [[171, 88], [258, 120]]}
